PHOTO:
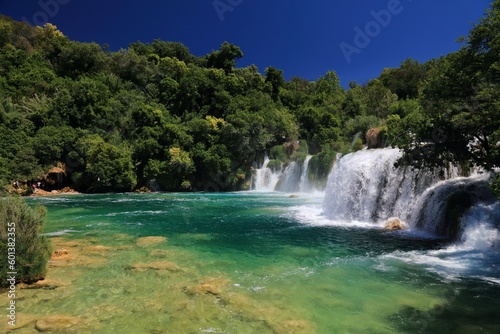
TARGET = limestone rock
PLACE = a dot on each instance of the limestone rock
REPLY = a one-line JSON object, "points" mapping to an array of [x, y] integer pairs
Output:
{"points": [[296, 326], [97, 249], [161, 253], [213, 286], [55, 323], [158, 265], [394, 224], [59, 254], [22, 321], [150, 241], [45, 284], [375, 138]]}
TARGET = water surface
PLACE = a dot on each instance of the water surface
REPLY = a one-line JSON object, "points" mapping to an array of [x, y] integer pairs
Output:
{"points": [[250, 263]]}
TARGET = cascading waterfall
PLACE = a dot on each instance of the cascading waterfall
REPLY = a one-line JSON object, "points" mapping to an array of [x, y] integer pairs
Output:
{"points": [[364, 189], [304, 184], [481, 227], [441, 205], [289, 180], [293, 178], [265, 178], [153, 184], [365, 186]]}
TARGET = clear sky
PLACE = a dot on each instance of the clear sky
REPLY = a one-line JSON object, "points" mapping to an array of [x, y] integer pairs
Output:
{"points": [[356, 38]]}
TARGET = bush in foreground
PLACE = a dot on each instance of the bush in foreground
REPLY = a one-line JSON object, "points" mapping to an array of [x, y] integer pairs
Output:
{"points": [[21, 234]]}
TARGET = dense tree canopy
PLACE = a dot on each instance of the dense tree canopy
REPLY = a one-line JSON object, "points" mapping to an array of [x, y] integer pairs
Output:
{"points": [[117, 120]]}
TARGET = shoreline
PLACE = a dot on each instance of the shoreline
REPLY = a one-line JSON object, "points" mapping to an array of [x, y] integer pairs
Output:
{"points": [[64, 191]]}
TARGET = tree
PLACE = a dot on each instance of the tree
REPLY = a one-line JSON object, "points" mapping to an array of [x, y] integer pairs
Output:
{"points": [[460, 99], [225, 58], [378, 99], [51, 143], [274, 77], [76, 59], [107, 167], [405, 80], [328, 84]]}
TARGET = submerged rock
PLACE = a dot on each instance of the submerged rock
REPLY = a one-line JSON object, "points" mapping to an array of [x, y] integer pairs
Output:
{"points": [[23, 321], [293, 196], [158, 265], [61, 257], [394, 224], [295, 326], [59, 254], [57, 323], [97, 249], [213, 286], [150, 241], [161, 253], [45, 284]]}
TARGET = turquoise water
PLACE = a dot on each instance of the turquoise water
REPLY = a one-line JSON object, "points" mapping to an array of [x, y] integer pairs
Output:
{"points": [[249, 263]]}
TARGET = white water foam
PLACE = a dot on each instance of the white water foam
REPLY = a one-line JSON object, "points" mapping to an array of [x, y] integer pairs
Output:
{"points": [[59, 233], [265, 178], [313, 215], [366, 186], [294, 178], [475, 255], [304, 184]]}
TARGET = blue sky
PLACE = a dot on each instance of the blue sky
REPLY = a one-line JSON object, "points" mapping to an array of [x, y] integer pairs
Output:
{"points": [[299, 37]]}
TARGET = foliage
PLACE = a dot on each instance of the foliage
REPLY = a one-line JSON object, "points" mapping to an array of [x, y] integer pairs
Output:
{"points": [[155, 111], [459, 118], [495, 185], [32, 249], [320, 166], [107, 166]]}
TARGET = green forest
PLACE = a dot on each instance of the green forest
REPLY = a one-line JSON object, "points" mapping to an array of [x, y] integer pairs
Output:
{"points": [[115, 120]]}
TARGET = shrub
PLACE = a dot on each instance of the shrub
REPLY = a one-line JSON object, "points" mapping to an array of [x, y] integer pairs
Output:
{"points": [[275, 165], [278, 153], [32, 249], [320, 166]]}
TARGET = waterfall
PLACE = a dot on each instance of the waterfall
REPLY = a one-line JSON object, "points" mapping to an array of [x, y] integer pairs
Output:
{"points": [[289, 180], [154, 185], [481, 230], [304, 184], [293, 178], [365, 189], [366, 186], [440, 207], [265, 178]]}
